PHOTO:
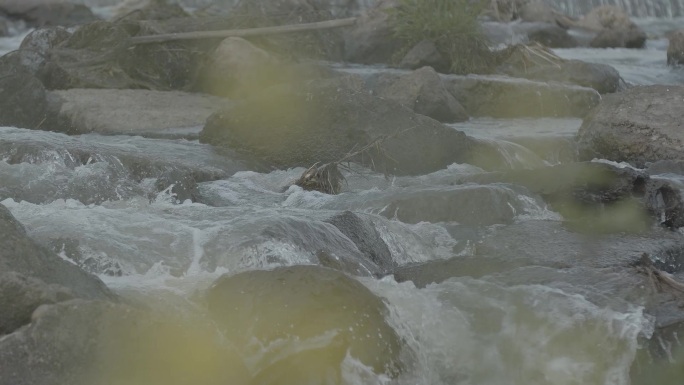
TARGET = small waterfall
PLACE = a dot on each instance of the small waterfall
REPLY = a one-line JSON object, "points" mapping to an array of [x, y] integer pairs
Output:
{"points": [[636, 8]]}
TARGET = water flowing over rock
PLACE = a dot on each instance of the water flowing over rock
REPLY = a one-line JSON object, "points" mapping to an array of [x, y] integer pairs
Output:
{"points": [[103, 342], [40, 13], [675, 51], [635, 8], [642, 124], [323, 316], [423, 92], [324, 120]]}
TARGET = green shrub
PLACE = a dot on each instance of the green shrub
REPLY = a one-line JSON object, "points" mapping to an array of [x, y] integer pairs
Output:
{"points": [[453, 26]]}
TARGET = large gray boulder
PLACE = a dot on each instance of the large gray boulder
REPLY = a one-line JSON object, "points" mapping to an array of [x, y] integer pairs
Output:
{"points": [[39, 13], [642, 124], [322, 315], [23, 100], [675, 51], [423, 92], [614, 27], [83, 342], [20, 254], [372, 40], [323, 120]]}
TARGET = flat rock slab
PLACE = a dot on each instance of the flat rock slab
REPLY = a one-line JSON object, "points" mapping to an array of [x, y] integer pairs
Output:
{"points": [[168, 114], [506, 97]]}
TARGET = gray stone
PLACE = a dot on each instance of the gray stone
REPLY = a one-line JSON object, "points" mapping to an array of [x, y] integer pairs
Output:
{"points": [[23, 100], [423, 92], [551, 35], [308, 302], [93, 342], [19, 253], [642, 124], [131, 112], [632, 37], [36, 46], [675, 50], [42, 13], [371, 40], [361, 230], [425, 53], [323, 120], [504, 97]]}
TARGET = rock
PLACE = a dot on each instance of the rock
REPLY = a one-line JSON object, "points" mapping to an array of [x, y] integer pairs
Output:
{"points": [[423, 54], [371, 40], [468, 205], [361, 230], [23, 101], [4, 26], [675, 51], [323, 120], [423, 92], [551, 35], [21, 295], [148, 10], [664, 201], [20, 254], [89, 342], [538, 11], [601, 77], [42, 13], [36, 46], [237, 69], [642, 124], [180, 185], [131, 112], [614, 27], [504, 97], [322, 314], [618, 38]]}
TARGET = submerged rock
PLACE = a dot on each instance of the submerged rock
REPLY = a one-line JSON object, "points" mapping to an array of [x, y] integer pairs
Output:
{"points": [[423, 92], [93, 342], [642, 124], [308, 319], [614, 27], [675, 50], [504, 97], [551, 35], [425, 53], [323, 121]]}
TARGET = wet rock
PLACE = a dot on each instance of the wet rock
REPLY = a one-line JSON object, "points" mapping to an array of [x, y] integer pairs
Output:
{"points": [[132, 112], [21, 295], [85, 342], [323, 120], [675, 50], [551, 35], [503, 97], [371, 40], [642, 124], [619, 38], [35, 48], [237, 68], [23, 101], [361, 230], [601, 77], [20, 254], [41, 13], [468, 205], [181, 186], [4, 26], [664, 201], [150, 10], [538, 11], [614, 27], [423, 54], [322, 314], [423, 92]]}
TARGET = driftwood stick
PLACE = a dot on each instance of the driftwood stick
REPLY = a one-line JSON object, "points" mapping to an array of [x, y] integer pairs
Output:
{"points": [[244, 32], [659, 279]]}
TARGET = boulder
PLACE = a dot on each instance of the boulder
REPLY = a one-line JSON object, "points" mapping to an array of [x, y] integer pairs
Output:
{"points": [[522, 64], [23, 100], [322, 315], [361, 230], [642, 124], [323, 120], [238, 68], [614, 27], [21, 295], [131, 112], [35, 48], [550, 35], [83, 342], [148, 10], [423, 92], [423, 54], [20, 254], [504, 97], [42, 13], [675, 50], [371, 40]]}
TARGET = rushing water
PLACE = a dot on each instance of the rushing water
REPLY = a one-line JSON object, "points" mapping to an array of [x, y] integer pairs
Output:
{"points": [[86, 198]]}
